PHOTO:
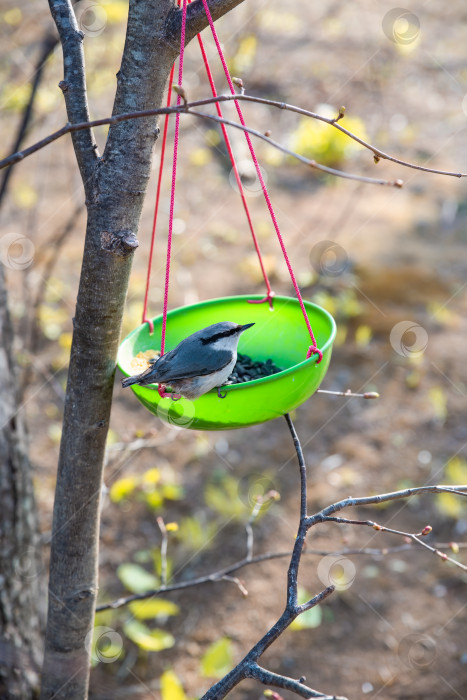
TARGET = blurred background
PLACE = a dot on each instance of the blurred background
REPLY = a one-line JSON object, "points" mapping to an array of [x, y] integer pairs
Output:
{"points": [[389, 264]]}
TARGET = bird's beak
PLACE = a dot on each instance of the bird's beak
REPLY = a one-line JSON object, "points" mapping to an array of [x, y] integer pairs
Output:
{"points": [[248, 325]]}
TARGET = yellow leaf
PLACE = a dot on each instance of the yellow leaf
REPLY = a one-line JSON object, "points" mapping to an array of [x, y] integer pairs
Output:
{"points": [[171, 688], [451, 505], [151, 477], [456, 470], [123, 488], [155, 607], [154, 499], [200, 157], [217, 660], [145, 638], [13, 16], [438, 401], [363, 336]]}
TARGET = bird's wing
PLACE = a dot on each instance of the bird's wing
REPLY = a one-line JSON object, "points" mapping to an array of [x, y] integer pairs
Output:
{"points": [[183, 365]]}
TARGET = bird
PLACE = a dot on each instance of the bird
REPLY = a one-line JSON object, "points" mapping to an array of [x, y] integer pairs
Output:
{"points": [[199, 363]]}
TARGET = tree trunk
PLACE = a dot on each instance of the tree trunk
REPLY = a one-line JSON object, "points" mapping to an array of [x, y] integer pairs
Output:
{"points": [[115, 186], [20, 638]]}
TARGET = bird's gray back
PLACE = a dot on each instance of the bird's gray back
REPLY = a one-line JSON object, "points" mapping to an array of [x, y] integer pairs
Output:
{"points": [[191, 359]]}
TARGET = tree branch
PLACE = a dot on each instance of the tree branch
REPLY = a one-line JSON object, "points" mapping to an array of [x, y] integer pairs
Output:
{"points": [[73, 85], [248, 668], [268, 678], [189, 108], [415, 537], [223, 574], [196, 19], [49, 43], [383, 498]]}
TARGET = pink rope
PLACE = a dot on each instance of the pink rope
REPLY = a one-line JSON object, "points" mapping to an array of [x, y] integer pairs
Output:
{"points": [[156, 207], [313, 348], [174, 177], [270, 293]]}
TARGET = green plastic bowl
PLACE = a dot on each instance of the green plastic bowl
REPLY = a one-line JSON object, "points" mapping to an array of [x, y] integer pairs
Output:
{"points": [[280, 334]]}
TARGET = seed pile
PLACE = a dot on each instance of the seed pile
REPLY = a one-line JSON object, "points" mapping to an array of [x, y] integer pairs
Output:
{"points": [[246, 369]]}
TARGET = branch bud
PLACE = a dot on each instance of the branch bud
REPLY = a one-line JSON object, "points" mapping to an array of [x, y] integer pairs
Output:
{"points": [[454, 547], [426, 530], [180, 92], [376, 158], [238, 82], [371, 395]]}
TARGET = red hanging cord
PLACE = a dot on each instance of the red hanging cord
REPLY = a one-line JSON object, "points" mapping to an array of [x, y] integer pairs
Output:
{"points": [[270, 293], [313, 348], [174, 177], [156, 206]]}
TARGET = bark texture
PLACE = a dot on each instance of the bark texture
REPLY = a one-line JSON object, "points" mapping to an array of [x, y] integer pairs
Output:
{"points": [[115, 185], [20, 638]]}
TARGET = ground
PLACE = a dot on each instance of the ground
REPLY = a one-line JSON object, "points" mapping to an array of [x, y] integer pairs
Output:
{"points": [[396, 628]]}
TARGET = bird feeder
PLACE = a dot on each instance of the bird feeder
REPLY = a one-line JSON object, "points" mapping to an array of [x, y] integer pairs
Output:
{"points": [[279, 334], [283, 326]]}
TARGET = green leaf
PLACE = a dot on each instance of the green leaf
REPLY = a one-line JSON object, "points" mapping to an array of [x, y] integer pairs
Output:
{"points": [[172, 492], [217, 660], [171, 688], [136, 579], [310, 618], [223, 498], [147, 639], [157, 607]]}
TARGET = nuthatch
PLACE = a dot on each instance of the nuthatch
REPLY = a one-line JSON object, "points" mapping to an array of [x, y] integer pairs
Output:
{"points": [[199, 363]]}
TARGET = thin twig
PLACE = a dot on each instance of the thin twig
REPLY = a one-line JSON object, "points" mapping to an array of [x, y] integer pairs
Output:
{"points": [[223, 574], [415, 537], [189, 108], [383, 498], [48, 45], [164, 545], [351, 394], [268, 678]]}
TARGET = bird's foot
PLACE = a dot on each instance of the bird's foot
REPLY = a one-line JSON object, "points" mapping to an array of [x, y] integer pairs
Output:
{"points": [[220, 394], [167, 394]]}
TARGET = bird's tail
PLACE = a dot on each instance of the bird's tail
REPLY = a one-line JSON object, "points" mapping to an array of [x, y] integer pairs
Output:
{"points": [[128, 381], [146, 377]]}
